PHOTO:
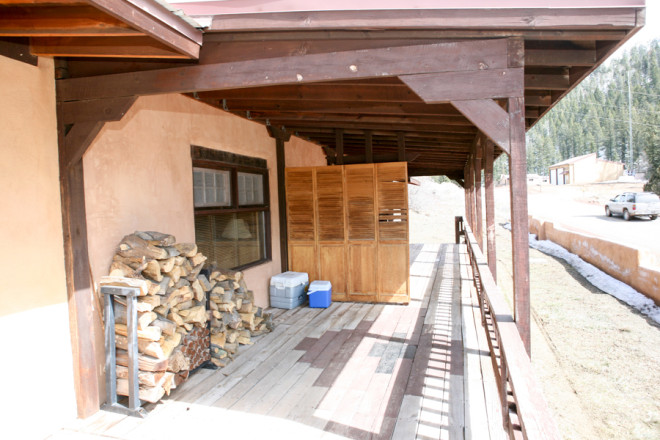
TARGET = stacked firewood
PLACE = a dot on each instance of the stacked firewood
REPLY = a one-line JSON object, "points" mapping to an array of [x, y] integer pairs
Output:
{"points": [[234, 317], [172, 316], [179, 299]]}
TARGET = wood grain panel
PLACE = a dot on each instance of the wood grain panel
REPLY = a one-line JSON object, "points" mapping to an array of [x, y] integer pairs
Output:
{"points": [[333, 268], [392, 181], [362, 264], [393, 268], [330, 204], [360, 202], [302, 258], [300, 204]]}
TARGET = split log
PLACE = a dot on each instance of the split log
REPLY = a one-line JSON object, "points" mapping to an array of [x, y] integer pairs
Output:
{"points": [[186, 249], [150, 348], [166, 326], [152, 270], [156, 238], [125, 282], [147, 378], [150, 333], [145, 363], [134, 246]]}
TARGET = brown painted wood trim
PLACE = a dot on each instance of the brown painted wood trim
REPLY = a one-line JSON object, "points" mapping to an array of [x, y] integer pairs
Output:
{"points": [[18, 49], [368, 63], [95, 110], [281, 199], [489, 117], [514, 18], [489, 148], [477, 190], [368, 146], [519, 220], [339, 146], [401, 146], [79, 288], [233, 160], [154, 20], [435, 88]]}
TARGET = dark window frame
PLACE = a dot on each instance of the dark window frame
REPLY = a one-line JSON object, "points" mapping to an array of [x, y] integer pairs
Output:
{"points": [[234, 163]]}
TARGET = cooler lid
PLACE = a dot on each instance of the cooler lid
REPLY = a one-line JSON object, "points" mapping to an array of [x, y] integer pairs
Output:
{"points": [[319, 285], [289, 279]]}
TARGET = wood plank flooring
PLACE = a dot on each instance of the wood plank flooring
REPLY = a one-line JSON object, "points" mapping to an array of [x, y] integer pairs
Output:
{"points": [[356, 371]]}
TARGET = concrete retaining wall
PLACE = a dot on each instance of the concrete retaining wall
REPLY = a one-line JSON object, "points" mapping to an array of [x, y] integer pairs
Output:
{"points": [[637, 268]]}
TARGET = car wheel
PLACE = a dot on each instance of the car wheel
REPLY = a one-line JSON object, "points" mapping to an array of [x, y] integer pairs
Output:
{"points": [[653, 217], [626, 215], [608, 212]]}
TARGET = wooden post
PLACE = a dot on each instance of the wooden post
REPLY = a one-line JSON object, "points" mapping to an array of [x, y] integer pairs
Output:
{"points": [[79, 287], [401, 147], [478, 218], [489, 154], [368, 146], [519, 219], [339, 146], [281, 136]]}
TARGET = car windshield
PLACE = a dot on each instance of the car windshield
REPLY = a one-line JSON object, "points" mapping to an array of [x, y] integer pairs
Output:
{"points": [[647, 198]]}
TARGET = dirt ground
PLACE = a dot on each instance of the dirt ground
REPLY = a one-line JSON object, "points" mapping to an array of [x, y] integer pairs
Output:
{"points": [[598, 359]]}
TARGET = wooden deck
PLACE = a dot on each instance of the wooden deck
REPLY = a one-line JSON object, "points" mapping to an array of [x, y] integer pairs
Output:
{"points": [[356, 371]]}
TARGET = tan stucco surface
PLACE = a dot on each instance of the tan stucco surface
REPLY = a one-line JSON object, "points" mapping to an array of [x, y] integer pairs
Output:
{"points": [[32, 260], [300, 153], [138, 175], [636, 268], [34, 318]]}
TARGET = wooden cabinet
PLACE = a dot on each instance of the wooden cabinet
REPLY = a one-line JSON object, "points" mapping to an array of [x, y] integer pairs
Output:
{"points": [[349, 225]]}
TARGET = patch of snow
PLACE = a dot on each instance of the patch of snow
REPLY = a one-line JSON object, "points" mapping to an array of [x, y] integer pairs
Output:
{"points": [[597, 277]]}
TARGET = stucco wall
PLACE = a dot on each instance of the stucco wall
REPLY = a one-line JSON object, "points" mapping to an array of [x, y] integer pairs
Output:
{"points": [[34, 324], [636, 268], [138, 175], [608, 170]]}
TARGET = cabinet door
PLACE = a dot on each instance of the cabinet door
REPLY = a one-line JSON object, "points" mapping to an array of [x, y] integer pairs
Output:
{"points": [[333, 269], [330, 204], [300, 204], [360, 202], [302, 258], [362, 276], [393, 273], [392, 181]]}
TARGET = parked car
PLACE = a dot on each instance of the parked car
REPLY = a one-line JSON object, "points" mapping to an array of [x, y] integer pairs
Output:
{"points": [[631, 205]]}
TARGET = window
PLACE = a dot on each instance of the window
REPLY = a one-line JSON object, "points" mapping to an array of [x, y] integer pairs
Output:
{"points": [[232, 216]]}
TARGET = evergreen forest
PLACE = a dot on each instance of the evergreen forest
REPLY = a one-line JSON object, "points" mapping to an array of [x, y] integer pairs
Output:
{"points": [[596, 116]]}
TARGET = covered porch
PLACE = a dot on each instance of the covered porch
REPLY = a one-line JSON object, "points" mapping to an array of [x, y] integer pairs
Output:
{"points": [[357, 371]]}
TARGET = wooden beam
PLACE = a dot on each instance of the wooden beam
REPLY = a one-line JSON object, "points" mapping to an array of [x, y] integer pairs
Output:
{"points": [[84, 341], [454, 86], [369, 63], [489, 186], [290, 118], [368, 146], [95, 110], [339, 146], [560, 58], [519, 220], [319, 93], [546, 82], [478, 151], [489, 117], [281, 136], [507, 18], [401, 146], [59, 21], [106, 47], [17, 49], [361, 126], [360, 106], [153, 19]]}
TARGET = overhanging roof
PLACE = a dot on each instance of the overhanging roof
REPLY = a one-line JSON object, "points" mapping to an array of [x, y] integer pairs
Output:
{"points": [[561, 42]]}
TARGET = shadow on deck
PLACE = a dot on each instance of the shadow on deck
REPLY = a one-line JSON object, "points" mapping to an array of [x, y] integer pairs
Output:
{"points": [[357, 371]]}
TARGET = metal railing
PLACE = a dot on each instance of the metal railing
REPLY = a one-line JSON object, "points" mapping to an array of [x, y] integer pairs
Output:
{"points": [[524, 409]]}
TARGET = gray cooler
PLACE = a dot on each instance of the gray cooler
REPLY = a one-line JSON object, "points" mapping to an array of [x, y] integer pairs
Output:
{"points": [[287, 290]]}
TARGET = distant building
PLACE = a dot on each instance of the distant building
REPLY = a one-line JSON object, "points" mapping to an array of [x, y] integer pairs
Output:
{"points": [[585, 169]]}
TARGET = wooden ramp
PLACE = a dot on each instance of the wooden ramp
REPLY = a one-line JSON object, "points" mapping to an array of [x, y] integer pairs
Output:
{"points": [[356, 371]]}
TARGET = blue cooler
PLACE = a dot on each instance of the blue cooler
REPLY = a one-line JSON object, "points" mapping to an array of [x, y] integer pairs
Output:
{"points": [[319, 294]]}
